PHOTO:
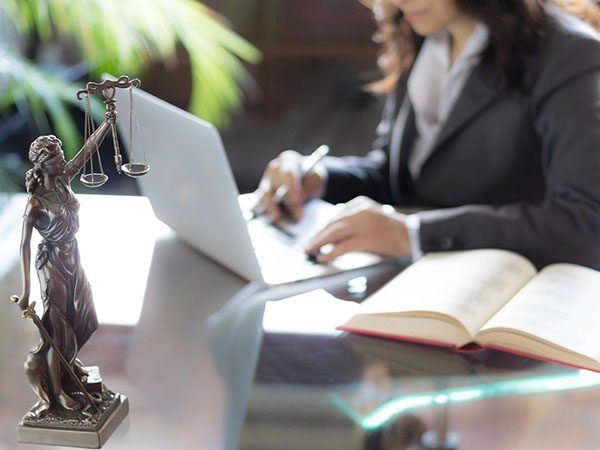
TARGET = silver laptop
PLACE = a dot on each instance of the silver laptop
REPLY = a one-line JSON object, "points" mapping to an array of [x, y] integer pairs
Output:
{"points": [[192, 189]]}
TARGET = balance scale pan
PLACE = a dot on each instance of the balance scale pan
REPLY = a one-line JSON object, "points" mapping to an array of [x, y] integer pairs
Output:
{"points": [[135, 170], [93, 180]]}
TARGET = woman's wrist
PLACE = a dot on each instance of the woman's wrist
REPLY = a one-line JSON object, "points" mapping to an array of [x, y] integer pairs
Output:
{"points": [[408, 238]]}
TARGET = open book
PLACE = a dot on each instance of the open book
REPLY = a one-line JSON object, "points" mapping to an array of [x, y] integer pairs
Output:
{"points": [[492, 298]]}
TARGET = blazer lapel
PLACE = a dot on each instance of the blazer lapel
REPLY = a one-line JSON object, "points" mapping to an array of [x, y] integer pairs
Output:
{"points": [[475, 96], [403, 133]]}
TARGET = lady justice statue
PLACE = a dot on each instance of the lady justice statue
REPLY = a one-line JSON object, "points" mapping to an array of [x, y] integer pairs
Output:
{"points": [[73, 407]]}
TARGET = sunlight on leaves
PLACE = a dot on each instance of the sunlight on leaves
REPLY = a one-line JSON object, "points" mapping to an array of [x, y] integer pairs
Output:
{"points": [[122, 37]]}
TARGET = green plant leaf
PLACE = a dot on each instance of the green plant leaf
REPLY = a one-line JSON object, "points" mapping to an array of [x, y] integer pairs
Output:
{"points": [[40, 95], [118, 36], [123, 36]]}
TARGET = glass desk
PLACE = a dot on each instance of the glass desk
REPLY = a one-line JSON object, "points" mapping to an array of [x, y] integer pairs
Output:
{"points": [[179, 334], [204, 368], [323, 389]]}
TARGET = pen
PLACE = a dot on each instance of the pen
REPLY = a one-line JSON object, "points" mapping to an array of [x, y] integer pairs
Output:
{"points": [[306, 166]]}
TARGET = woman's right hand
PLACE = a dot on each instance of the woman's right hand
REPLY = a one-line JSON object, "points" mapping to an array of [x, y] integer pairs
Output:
{"points": [[286, 170]]}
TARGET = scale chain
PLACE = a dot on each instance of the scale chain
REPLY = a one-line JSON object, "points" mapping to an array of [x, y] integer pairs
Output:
{"points": [[90, 129], [133, 118], [88, 113], [141, 141], [130, 124]]}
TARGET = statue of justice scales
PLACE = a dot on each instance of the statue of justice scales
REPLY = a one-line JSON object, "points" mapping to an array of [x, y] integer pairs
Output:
{"points": [[74, 407]]}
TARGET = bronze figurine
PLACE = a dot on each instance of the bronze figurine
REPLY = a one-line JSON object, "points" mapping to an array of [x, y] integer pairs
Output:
{"points": [[67, 398]]}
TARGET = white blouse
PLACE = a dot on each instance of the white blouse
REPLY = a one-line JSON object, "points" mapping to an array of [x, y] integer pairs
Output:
{"points": [[434, 85]]}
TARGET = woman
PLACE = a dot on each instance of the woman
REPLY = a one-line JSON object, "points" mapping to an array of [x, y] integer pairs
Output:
{"points": [[491, 130], [69, 314]]}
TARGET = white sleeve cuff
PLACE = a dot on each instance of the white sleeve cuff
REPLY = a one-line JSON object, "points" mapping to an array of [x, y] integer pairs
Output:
{"points": [[413, 225]]}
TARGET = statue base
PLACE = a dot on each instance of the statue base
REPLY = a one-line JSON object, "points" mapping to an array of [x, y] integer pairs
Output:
{"points": [[86, 428]]}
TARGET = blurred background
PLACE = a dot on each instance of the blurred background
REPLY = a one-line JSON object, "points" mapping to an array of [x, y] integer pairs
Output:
{"points": [[271, 74]]}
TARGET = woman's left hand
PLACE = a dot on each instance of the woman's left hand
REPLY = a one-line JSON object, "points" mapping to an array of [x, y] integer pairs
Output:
{"points": [[362, 225]]}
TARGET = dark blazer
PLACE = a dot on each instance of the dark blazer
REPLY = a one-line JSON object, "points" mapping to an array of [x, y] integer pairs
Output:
{"points": [[515, 172]]}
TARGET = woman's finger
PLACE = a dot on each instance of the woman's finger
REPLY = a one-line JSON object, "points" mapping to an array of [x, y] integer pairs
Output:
{"points": [[331, 234], [352, 244], [281, 175], [271, 208], [291, 179]]}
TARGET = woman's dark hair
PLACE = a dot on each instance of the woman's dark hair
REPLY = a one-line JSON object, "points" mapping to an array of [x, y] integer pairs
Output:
{"points": [[515, 27]]}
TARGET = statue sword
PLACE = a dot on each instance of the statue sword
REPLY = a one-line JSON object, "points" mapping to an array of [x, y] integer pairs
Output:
{"points": [[30, 313]]}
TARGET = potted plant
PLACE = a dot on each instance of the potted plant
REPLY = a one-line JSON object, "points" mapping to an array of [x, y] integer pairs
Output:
{"points": [[118, 37]]}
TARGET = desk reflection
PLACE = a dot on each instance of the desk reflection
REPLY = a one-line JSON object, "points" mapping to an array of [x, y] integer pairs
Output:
{"points": [[332, 390]]}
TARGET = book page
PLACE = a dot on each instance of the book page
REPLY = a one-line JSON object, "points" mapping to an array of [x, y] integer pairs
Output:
{"points": [[470, 286], [560, 305]]}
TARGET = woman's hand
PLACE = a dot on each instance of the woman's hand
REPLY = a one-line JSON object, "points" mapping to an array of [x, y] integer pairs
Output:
{"points": [[362, 225], [285, 170]]}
